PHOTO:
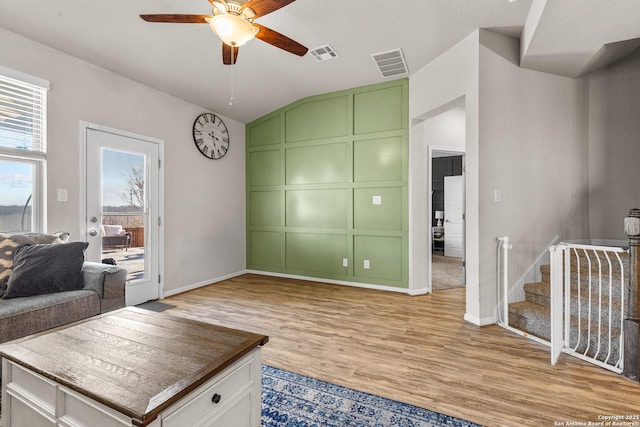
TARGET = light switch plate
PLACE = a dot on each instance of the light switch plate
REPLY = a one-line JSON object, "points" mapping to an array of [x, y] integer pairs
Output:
{"points": [[377, 200], [63, 195]]}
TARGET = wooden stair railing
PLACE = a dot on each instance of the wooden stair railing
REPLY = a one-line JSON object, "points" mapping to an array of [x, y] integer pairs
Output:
{"points": [[632, 321]]}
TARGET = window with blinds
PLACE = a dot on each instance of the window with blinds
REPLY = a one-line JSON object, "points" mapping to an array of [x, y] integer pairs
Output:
{"points": [[23, 131], [22, 115]]}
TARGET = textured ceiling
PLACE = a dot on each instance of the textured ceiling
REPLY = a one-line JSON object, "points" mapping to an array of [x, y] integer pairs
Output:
{"points": [[185, 59]]}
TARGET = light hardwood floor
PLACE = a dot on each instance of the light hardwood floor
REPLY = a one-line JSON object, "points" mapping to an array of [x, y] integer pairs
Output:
{"points": [[417, 350]]}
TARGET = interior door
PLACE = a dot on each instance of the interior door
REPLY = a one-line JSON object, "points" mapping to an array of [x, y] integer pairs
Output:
{"points": [[122, 211], [454, 216]]}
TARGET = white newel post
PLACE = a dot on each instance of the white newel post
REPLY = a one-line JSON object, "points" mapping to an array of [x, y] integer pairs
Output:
{"points": [[557, 341]]}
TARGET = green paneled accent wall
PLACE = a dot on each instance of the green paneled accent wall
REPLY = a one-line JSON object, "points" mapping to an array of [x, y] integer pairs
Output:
{"points": [[266, 208], [378, 110], [385, 216], [266, 133], [317, 119], [318, 209], [319, 253], [269, 172], [383, 253], [313, 169], [377, 159], [265, 249], [318, 164]]}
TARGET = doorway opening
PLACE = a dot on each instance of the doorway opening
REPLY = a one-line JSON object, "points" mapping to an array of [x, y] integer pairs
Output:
{"points": [[447, 219], [444, 133]]}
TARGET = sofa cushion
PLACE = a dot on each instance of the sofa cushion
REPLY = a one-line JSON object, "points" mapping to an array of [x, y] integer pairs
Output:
{"points": [[9, 242], [44, 269], [20, 317], [113, 230]]}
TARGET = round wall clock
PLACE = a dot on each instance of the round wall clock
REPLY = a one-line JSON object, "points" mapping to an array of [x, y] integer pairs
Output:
{"points": [[211, 136]]}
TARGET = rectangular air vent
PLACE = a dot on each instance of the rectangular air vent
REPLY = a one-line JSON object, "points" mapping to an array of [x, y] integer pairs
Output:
{"points": [[324, 53], [391, 63]]}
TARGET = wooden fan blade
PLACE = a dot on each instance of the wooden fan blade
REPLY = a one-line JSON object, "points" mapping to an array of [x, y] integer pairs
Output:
{"points": [[279, 40], [226, 54], [177, 19], [262, 7]]}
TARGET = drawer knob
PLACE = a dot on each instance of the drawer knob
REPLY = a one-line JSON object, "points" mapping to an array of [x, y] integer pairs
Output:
{"points": [[216, 398]]}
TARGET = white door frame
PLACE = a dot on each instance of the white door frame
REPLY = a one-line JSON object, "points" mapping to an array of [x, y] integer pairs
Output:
{"points": [[84, 128], [454, 151]]}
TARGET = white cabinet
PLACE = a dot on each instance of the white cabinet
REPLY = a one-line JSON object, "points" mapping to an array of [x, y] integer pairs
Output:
{"points": [[231, 398]]}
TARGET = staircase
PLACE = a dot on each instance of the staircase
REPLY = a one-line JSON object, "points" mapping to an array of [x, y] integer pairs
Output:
{"points": [[595, 305]]}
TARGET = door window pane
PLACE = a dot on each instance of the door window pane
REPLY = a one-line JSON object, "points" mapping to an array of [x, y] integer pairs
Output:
{"points": [[123, 203], [16, 190]]}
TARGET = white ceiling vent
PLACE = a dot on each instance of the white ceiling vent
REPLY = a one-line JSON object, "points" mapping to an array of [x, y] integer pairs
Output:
{"points": [[391, 63], [324, 53]]}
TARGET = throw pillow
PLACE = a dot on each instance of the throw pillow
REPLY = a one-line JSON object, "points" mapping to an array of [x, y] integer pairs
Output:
{"points": [[45, 269], [9, 242]]}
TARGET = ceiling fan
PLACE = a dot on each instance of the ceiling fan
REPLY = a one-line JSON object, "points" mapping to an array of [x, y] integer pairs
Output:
{"points": [[232, 21]]}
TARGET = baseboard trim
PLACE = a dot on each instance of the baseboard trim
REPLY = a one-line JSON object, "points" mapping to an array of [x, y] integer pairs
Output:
{"points": [[412, 292], [203, 283], [484, 321]]}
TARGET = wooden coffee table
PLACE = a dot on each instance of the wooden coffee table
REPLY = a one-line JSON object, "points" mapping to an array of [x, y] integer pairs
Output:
{"points": [[133, 367]]}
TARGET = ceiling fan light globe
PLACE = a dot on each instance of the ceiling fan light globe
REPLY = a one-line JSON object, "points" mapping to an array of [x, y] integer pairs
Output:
{"points": [[233, 29]]}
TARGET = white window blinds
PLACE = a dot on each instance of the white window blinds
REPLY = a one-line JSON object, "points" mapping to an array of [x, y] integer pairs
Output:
{"points": [[23, 112]]}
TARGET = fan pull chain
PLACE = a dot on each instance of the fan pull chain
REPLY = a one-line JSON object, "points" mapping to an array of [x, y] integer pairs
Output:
{"points": [[233, 64]]}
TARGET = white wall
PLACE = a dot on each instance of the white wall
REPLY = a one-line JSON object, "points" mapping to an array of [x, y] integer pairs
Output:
{"points": [[524, 137], [446, 129], [532, 152], [449, 80], [614, 146], [204, 199]]}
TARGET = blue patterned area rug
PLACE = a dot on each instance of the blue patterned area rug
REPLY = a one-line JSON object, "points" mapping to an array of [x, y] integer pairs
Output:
{"points": [[293, 400]]}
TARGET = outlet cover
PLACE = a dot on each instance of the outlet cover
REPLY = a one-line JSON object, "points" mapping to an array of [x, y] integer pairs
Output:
{"points": [[377, 200], [366, 264], [345, 262]]}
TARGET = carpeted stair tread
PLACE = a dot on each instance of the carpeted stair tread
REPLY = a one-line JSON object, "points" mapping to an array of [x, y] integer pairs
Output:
{"points": [[539, 293], [534, 320], [530, 318], [545, 269]]}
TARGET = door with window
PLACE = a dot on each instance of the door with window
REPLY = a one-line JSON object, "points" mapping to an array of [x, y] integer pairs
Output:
{"points": [[122, 207]]}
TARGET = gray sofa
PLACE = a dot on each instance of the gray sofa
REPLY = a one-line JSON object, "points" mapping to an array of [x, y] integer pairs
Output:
{"points": [[103, 288]]}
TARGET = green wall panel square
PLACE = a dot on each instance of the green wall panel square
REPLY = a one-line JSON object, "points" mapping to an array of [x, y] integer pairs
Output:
{"points": [[265, 208], [317, 208], [377, 159], [265, 133], [318, 253], [317, 164], [385, 216], [384, 255], [317, 119], [378, 110], [264, 168], [265, 249]]}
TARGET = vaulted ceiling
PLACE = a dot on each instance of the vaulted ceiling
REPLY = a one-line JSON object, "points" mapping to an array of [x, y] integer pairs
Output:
{"points": [[568, 37]]}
